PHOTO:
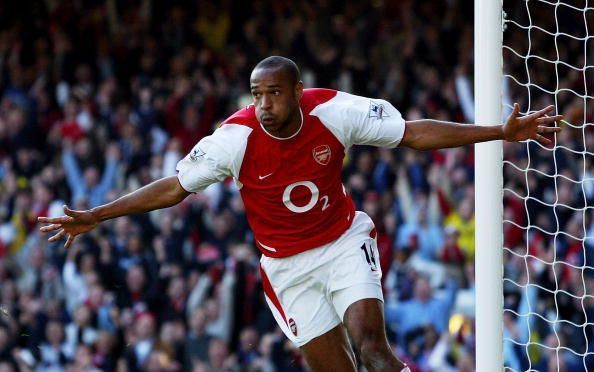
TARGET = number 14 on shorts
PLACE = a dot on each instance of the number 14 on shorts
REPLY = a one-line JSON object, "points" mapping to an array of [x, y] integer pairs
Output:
{"points": [[368, 250]]}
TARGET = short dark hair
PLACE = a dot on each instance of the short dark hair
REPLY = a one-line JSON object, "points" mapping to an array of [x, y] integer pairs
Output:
{"points": [[281, 63]]}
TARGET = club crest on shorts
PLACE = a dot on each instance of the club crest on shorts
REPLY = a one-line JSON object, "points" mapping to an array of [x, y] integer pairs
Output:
{"points": [[322, 154], [293, 326]]}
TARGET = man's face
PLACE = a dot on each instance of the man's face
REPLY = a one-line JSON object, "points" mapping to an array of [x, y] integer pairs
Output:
{"points": [[91, 176], [276, 100], [422, 289]]}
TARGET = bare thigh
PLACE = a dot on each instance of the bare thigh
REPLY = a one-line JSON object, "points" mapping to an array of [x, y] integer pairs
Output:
{"points": [[330, 352]]}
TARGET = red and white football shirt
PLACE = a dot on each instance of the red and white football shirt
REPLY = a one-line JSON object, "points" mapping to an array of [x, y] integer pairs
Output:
{"points": [[291, 187]]}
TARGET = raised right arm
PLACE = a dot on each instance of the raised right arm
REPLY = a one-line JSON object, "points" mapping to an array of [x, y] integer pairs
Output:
{"points": [[162, 193], [156, 195]]}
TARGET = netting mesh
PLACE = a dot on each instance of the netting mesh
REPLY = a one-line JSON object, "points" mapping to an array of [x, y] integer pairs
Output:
{"points": [[548, 57]]}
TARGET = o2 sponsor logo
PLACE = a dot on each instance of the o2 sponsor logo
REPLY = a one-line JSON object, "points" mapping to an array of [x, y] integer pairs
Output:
{"points": [[313, 200]]}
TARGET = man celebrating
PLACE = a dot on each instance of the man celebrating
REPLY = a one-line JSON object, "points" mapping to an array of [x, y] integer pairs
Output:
{"points": [[320, 266]]}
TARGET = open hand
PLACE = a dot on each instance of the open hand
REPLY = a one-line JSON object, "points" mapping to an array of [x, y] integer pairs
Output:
{"points": [[531, 126], [69, 225]]}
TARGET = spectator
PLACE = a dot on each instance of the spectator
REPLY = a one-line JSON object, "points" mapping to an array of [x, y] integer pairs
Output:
{"points": [[40, 277], [424, 309], [86, 186], [264, 361], [83, 360], [451, 252], [103, 351], [197, 339], [143, 333], [171, 342], [54, 353], [248, 345], [78, 274], [173, 308], [80, 330], [218, 358], [463, 221], [139, 293]]}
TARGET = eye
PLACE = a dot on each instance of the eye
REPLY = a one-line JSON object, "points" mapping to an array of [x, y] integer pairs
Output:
{"points": [[256, 94], [276, 92]]}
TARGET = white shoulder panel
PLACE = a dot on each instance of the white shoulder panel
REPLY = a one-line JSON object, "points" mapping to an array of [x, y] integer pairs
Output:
{"points": [[214, 158], [357, 120]]}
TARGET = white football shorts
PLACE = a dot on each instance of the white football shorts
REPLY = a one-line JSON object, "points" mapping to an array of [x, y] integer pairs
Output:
{"points": [[308, 293]]}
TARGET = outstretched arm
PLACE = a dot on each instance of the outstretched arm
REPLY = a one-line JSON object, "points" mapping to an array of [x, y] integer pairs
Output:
{"points": [[159, 194], [435, 134]]}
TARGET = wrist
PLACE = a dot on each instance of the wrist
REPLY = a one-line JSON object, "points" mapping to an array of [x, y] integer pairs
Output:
{"points": [[98, 214], [500, 132]]}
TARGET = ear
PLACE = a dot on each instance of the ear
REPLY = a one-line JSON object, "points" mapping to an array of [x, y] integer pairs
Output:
{"points": [[299, 90]]}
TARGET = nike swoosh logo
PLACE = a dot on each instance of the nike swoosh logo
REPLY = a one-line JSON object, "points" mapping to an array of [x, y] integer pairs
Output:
{"points": [[268, 175]]}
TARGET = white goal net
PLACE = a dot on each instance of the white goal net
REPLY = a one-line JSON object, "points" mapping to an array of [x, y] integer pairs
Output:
{"points": [[548, 57]]}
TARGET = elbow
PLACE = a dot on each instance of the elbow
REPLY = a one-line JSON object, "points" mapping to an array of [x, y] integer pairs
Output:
{"points": [[180, 196], [411, 142], [413, 137], [421, 147], [175, 191], [418, 144]]}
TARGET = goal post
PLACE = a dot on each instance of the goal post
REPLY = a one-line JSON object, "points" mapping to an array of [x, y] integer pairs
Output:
{"points": [[488, 62]]}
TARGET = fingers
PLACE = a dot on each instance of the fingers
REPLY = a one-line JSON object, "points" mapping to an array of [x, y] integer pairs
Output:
{"points": [[549, 119], [51, 227], [543, 140], [58, 236], [545, 130], [60, 220], [542, 130], [539, 113], [69, 212], [69, 241], [515, 111]]}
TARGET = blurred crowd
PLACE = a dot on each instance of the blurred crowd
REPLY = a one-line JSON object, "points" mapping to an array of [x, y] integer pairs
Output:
{"points": [[100, 97]]}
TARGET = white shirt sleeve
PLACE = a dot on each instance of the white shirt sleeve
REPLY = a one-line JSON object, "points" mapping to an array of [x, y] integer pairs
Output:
{"points": [[357, 120], [214, 158]]}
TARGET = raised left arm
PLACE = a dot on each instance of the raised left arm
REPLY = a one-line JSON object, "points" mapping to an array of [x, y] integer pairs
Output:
{"points": [[435, 134]]}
